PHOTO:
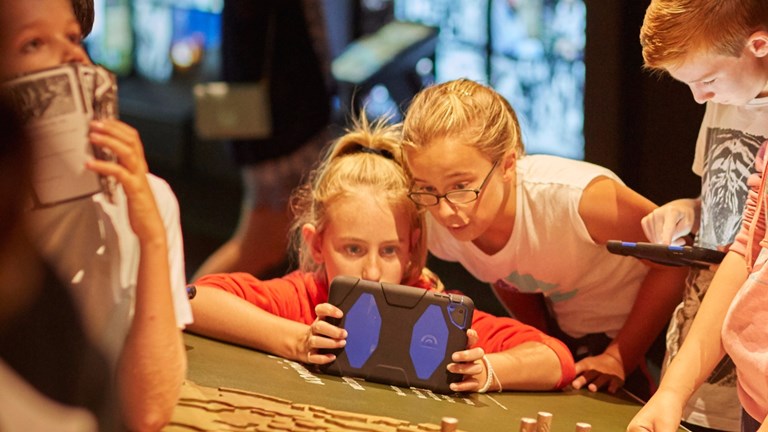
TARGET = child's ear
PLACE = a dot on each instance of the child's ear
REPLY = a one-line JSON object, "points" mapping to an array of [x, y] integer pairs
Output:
{"points": [[314, 240], [757, 43], [508, 166]]}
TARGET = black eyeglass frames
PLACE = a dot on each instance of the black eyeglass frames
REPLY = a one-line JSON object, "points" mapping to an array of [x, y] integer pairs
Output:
{"points": [[460, 196]]}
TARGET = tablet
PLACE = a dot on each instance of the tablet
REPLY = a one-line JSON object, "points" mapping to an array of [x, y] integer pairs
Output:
{"points": [[397, 334], [692, 256]]}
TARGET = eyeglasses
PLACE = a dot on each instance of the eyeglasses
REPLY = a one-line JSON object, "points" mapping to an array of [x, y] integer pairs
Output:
{"points": [[461, 196]]}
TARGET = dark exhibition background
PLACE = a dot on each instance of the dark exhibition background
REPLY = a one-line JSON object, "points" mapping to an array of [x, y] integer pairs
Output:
{"points": [[640, 125]]}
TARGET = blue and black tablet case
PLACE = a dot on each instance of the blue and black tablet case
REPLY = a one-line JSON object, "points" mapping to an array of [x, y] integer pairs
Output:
{"points": [[398, 334]]}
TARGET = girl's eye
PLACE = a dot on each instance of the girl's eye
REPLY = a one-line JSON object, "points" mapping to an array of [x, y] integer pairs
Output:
{"points": [[428, 189], [710, 82], [461, 186], [389, 251], [353, 250]]}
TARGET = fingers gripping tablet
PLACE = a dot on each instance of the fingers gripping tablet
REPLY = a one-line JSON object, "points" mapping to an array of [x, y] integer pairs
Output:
{"points": [[667, 254], [398, 334]]}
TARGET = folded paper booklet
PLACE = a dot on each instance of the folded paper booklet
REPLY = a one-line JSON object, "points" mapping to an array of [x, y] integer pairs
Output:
{"points": [[56, 106]]}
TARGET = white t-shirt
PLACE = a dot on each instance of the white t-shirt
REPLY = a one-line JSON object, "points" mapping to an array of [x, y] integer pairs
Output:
{"points": [[729, 138], [90, 244], [550, 251]]}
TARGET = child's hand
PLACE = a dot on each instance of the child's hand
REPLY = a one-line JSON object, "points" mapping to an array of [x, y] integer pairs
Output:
{"points": [[468, 363], [324, 335], [130, 170], [661, 414], [671, 223], [598, 372]]}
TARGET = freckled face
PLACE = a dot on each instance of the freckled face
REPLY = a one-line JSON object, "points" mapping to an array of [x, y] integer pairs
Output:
{"points": [[38, 34]]}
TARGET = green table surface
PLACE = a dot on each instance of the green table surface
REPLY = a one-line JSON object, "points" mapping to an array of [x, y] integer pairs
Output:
{"points": [[216, 364]]}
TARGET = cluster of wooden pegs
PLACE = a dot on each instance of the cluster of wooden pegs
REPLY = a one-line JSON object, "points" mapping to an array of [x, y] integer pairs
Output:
{"points": [[543, 423]]}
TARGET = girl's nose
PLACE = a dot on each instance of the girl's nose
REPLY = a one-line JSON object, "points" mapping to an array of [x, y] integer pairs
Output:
{"points": [[445, 208], [372, 270]]}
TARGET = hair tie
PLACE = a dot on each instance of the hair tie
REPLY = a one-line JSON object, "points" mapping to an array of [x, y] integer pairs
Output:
{"points": [[381, 152]]}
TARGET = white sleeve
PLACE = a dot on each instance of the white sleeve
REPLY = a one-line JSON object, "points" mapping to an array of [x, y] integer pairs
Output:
{"points": [[168, 206], [701, 142]]}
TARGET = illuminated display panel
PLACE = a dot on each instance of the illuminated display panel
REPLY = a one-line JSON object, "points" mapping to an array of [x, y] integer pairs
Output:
{"points": [[159, 40], [530, 51]]}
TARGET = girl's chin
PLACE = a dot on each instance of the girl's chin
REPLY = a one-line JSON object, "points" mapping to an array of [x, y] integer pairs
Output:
{"points": [[462, 233]]}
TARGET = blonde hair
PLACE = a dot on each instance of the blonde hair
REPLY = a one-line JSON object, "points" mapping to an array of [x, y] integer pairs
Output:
{"points": [[674, 29], [463, 109], [365, 157]]}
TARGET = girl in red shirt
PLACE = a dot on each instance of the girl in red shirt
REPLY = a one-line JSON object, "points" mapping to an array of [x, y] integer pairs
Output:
{"points": [[353, 218]]}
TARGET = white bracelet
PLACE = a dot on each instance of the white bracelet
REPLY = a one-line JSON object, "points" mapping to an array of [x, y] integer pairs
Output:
{"points": [[498, 382], [490, 377]]}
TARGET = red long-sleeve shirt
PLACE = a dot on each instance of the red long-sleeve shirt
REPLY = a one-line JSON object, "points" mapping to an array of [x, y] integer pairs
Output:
{"points": [[295, 296]]}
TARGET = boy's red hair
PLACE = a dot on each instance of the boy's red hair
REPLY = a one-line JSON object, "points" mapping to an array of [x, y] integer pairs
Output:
{"points": [[674, 29]]}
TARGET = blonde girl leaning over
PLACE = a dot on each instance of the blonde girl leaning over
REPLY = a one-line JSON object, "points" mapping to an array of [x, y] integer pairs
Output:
{"points": [[353, 217], [538, 224]]}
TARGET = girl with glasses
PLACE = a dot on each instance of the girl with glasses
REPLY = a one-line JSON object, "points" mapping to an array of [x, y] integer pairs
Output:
{"points": [[538, 224], [353, 218]]}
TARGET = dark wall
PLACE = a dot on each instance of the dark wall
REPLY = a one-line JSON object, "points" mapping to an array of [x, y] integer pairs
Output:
{"points": [[641, 125]]}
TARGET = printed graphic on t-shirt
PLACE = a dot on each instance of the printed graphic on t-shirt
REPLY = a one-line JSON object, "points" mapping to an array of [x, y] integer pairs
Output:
{"points": [[730, 156], [528, 284]]}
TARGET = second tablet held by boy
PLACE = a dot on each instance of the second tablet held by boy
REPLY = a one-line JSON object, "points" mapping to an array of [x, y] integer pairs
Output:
{"points": [[668, 254]]}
